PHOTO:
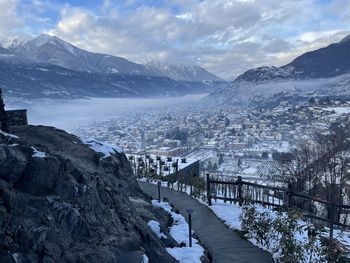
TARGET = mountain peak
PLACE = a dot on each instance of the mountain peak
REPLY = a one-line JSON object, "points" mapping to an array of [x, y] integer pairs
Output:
{"points": [[54, 40], [43, 39], [14, 41]]}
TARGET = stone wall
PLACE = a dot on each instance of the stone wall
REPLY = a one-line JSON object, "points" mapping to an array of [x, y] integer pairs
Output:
{"points": [[17, 117]]}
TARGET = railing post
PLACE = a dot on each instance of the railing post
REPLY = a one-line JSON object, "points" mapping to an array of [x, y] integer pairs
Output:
{"points": [[189, 212], [225, 194], [159, 191], [290, 195], [331, 223], [190, 229], [331, 230], [208, 190], [240, 194]]}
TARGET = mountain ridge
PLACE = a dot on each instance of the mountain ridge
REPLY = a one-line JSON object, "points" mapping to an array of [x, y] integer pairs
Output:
{"points": [[329, 63], [53, 50], [48, 67]]}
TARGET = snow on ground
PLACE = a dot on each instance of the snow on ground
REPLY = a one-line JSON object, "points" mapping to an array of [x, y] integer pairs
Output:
{"points": [[202, 154], [10, 145], [179, 232], [230, 215], [186, 254], [38, 154], [339, 110], [101, 147], [9, 135], [145, 259], [250, 170], [154, 225], [282, 147]]}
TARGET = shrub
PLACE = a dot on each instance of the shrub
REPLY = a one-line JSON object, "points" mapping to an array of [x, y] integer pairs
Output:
{"points": [[288, 238]]}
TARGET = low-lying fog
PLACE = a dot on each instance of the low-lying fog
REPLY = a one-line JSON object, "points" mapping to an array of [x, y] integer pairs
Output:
{"points": [[69, 114]]}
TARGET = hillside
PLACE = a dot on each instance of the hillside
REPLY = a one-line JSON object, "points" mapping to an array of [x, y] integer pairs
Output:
{"points": [[62, 201], [49, 67], [321, 72]]}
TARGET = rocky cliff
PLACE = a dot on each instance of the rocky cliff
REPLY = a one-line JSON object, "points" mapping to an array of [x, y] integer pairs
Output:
{"points": [[61, 201]]}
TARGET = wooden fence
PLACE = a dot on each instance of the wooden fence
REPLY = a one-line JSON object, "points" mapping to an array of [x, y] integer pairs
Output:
{"points": [[240, 191]]}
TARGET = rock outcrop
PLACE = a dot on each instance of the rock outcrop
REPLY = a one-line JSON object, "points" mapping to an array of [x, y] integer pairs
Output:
{"points": [[61, 201]]}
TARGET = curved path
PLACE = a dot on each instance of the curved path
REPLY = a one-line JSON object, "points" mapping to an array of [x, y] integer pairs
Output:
{"points": [[224, 244]]}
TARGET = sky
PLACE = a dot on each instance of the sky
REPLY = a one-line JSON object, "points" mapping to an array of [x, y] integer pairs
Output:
{"points": [[226, 37]]}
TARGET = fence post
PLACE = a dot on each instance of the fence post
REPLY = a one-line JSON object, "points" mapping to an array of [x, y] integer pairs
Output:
{"points": [[225, 196], [290, 195], [331, 224], [208, 190], [159, 183], [331, 230], [240, 195]]}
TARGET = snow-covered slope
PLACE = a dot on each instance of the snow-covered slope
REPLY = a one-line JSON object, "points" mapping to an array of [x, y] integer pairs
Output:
{"points": [[330, 61], [182, 72], [324, 71], [22, 77], [53, 50], [38, 80], [47, 66]]}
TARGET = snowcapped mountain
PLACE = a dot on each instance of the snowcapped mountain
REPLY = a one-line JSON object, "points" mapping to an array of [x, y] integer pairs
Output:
{"points": [[53, 50], [330, 61], [47, 66], [182, 72], [26, 79], [320, 69]]}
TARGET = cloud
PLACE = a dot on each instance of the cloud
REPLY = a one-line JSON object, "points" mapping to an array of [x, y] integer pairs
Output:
{"points": [[225, 36], [9, 19]]}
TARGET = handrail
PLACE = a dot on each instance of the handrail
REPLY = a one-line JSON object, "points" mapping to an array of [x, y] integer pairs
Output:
{"points": [[274, 188], [288, 195]]}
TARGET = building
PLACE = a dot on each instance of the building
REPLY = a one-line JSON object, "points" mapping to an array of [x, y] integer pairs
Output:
{"points": [[11, 117]]}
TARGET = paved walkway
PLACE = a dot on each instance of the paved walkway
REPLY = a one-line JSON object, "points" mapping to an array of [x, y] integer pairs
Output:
{"points": [[224, 244]]}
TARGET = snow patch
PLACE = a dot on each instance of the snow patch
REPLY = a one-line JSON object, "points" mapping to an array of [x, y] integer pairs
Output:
{"points": [[9, 135], [38, 154], [102, 147], [154, 225], [179, 232], [230, 214], [339, 110], [186, 254]]}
